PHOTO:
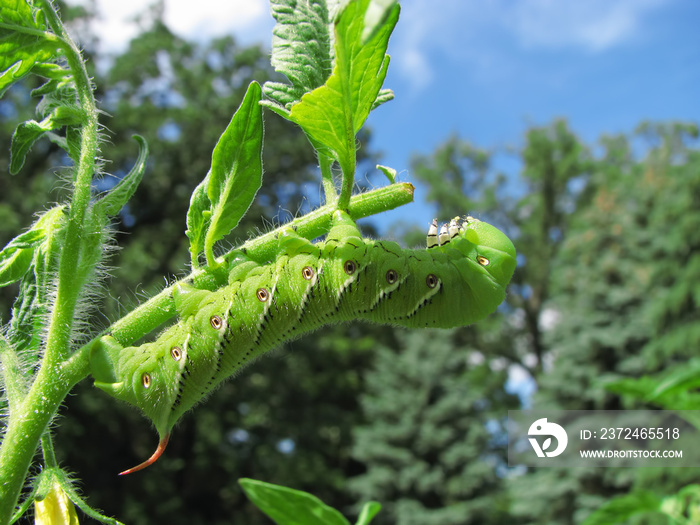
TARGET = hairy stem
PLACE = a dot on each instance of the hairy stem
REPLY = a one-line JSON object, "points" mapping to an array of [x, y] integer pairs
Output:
{"points": [[14, 381], [325, 164], [70, 281], [347, 166], [25, 430], [28, 423], [48, 451]]}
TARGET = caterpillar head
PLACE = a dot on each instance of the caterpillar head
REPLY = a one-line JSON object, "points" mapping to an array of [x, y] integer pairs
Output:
{"points": [[482, 262], [494, 251]]}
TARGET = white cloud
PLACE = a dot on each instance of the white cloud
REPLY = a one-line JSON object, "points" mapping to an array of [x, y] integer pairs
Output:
{"points": [[593, 25], [218, 17], [411, 35], [249, 20], [415, 65], [473, 33]]}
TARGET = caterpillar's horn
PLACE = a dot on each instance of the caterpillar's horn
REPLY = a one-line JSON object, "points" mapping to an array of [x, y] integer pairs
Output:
{"points": [[159, 451]]}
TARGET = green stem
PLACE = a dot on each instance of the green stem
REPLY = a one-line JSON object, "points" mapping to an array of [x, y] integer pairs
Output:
{"points": [[347, 166], [29, 422], [14, 381], [70, 281], [160, 308], [48, 451], [325, 164], [50, 37], [24, 431]]}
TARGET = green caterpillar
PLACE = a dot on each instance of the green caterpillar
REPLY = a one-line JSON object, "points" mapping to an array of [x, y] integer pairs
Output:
{"points": [[460, 279]]}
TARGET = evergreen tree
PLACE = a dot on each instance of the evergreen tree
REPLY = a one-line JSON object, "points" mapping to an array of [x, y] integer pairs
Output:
{"points": [[433, 443], [622, 289]]}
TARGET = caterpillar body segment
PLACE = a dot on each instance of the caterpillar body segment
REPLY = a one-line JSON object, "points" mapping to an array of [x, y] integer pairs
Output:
{"points": [[460, 279]]}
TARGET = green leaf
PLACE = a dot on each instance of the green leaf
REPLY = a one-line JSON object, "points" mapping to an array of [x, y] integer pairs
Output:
{"points": [[683, 506], [369, 511], [71, 143], [385, 95], [27, 133], [678, 380], [24, 137], [675, 381], [287, 506], [16, 256], [376, 15], [637, 388], [120, 194], [57, 76], [14, 265], [282, 96], [21, 13], [390, 173], [27, 315], [619, 509], [301, 45], [236, 169], [12, 375], [332, 114], [24, 43], [198, 220], [28, 312]]}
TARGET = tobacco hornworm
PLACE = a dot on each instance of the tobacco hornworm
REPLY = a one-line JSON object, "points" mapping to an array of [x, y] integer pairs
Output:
{"points": [[460, 279]]}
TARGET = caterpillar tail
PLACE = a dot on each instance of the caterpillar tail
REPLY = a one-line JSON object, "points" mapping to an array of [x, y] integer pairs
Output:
{"points": [[154, 457], [106, 369]]}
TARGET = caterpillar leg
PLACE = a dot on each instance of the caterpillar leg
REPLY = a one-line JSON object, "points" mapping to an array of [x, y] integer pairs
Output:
{"points": [[342, 228], [456, 227], [291, 244], [188, 298], [104, 353]]}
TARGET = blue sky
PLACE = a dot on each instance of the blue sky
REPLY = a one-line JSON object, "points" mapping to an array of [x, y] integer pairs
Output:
{"points": [[486, 70]]}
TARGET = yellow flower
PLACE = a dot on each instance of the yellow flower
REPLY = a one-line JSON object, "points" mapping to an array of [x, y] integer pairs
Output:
{"points": [[55, 509]]}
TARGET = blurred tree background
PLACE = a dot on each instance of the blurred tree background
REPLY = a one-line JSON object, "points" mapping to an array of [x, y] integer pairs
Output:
{"points": [[607, 287]]}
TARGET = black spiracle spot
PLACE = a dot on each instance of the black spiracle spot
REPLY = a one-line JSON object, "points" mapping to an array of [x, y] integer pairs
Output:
{"points": [[350, 267]]}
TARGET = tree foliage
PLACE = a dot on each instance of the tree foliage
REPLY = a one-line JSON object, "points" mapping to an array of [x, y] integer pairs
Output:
{"points": [[611, 288], [604, 300], [434, 438]]}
